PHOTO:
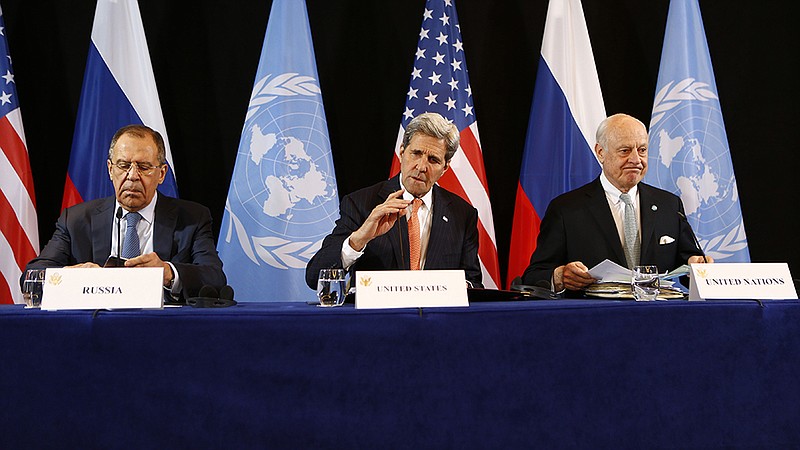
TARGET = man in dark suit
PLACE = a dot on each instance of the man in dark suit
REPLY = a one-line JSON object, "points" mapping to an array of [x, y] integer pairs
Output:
{"points": [[372, 232], [583, 227], [165, 232]]}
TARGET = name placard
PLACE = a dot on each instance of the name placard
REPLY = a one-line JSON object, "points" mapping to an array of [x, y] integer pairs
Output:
{"points": [[741, 280], [103, 288], [410, 289]]}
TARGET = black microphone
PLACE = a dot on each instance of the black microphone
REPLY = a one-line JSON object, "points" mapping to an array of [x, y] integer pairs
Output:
{"points": [[208, 292], [117, 261], [400, 242], [209, 297], [691, 231], [226, 292]]}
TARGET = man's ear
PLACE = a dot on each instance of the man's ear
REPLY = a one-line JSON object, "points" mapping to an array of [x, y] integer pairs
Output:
{"points": [[600, 152]]}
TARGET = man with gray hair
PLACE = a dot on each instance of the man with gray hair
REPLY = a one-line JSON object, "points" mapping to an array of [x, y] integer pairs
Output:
{"points": [[408, 221], [614, 217]]}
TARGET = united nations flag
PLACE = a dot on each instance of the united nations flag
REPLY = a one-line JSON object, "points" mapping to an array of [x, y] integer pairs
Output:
{"points": [[283, 198], [689, 153]]}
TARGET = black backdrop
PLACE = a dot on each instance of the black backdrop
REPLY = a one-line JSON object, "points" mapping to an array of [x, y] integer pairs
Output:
{"points": [[205, 58]]}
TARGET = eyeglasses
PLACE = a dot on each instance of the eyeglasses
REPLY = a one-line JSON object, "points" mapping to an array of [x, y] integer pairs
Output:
{"points": [[143, 168]]}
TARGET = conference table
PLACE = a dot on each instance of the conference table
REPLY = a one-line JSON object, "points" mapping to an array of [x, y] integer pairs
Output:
{"points": [[498, 374]]}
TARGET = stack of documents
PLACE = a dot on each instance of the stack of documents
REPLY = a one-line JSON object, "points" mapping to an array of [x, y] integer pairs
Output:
{"points": [[615, 282]]}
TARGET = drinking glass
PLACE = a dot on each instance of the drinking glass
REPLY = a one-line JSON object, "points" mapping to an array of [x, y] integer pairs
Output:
{"points": [[644, 282], [32, 287], [331, 287]]}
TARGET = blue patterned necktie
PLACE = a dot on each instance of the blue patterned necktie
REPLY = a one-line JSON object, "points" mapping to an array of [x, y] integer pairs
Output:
{"points": [[631, 232], [130, 248]]}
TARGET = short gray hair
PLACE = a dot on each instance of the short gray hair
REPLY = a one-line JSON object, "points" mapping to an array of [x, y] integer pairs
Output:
{"points": [[434, 125], [140, 131]]}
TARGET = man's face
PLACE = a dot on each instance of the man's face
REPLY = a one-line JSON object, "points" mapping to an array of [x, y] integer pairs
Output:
{"points": [[625, 160], [422, 163], [135, 188]]}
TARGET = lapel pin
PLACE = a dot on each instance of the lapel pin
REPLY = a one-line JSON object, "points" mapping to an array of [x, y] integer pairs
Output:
{"points": [[654, 208], [445, 218]]}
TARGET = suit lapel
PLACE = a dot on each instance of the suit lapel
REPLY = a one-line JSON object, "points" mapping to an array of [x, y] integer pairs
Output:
{"points": [[647, 212], [102, 221], [605, 221], [398, 234], [166, 218], [439, 238]]}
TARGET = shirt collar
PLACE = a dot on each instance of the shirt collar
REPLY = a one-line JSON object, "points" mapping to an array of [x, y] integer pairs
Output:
{"points": [[612, 192], [147, 213]]}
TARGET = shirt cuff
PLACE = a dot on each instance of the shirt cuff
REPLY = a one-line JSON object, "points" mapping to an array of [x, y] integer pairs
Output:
{"points": [[176, 281], [350, 255]]}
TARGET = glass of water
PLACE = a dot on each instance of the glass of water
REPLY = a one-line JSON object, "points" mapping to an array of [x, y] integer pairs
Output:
{"points": [[644, 282], [331, 287], [32, 287]]}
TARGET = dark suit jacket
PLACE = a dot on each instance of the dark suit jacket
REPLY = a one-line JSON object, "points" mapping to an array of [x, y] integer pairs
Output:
{"points": [[453, 242], [182, 235], [578, 226]]}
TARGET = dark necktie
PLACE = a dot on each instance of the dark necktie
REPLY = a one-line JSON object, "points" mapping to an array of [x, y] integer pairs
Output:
{"points": [[130, 248]]}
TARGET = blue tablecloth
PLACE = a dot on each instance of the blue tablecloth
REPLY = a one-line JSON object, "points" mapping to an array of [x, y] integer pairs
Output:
{"points": [[530, 374]]}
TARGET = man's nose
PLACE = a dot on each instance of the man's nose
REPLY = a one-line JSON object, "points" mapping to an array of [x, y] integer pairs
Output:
{"points": [[133, 172]]}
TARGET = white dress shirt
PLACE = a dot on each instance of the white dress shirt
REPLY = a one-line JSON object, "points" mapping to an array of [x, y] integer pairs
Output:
{"points": [[618, 207]]}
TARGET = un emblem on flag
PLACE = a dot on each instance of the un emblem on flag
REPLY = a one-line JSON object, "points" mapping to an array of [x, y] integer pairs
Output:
{"points": [[689, 156], [283, 198]]}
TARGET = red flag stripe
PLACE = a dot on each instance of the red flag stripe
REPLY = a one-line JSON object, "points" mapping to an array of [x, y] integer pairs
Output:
{"points": [[17, 155], [5, 293], [524, 232], [487, 253], [71, 194], [15, 233]]}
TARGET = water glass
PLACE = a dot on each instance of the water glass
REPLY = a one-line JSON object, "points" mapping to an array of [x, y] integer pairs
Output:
{"points": [[32, 287], [644, 282], [331, 287]]}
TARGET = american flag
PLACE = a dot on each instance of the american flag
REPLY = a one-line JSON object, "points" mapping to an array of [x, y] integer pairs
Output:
{"points": [[440, 84], [19, 235]]}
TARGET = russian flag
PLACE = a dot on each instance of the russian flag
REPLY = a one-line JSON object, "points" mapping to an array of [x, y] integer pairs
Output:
{"points": [[118, 89], [567, 108]]}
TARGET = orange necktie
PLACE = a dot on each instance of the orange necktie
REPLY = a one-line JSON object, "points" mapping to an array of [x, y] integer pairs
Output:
{"points": [[413, 235]]}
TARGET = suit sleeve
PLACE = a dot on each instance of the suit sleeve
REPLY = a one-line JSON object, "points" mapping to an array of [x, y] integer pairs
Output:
{"points": [[58, 251], [330, 253], [469, 252], [203, 267], [551, 250]]}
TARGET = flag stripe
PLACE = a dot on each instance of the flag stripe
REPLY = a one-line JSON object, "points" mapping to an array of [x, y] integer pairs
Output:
{"points": [[14, 232], [471, 148], [526, 224], [14, 150]]}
